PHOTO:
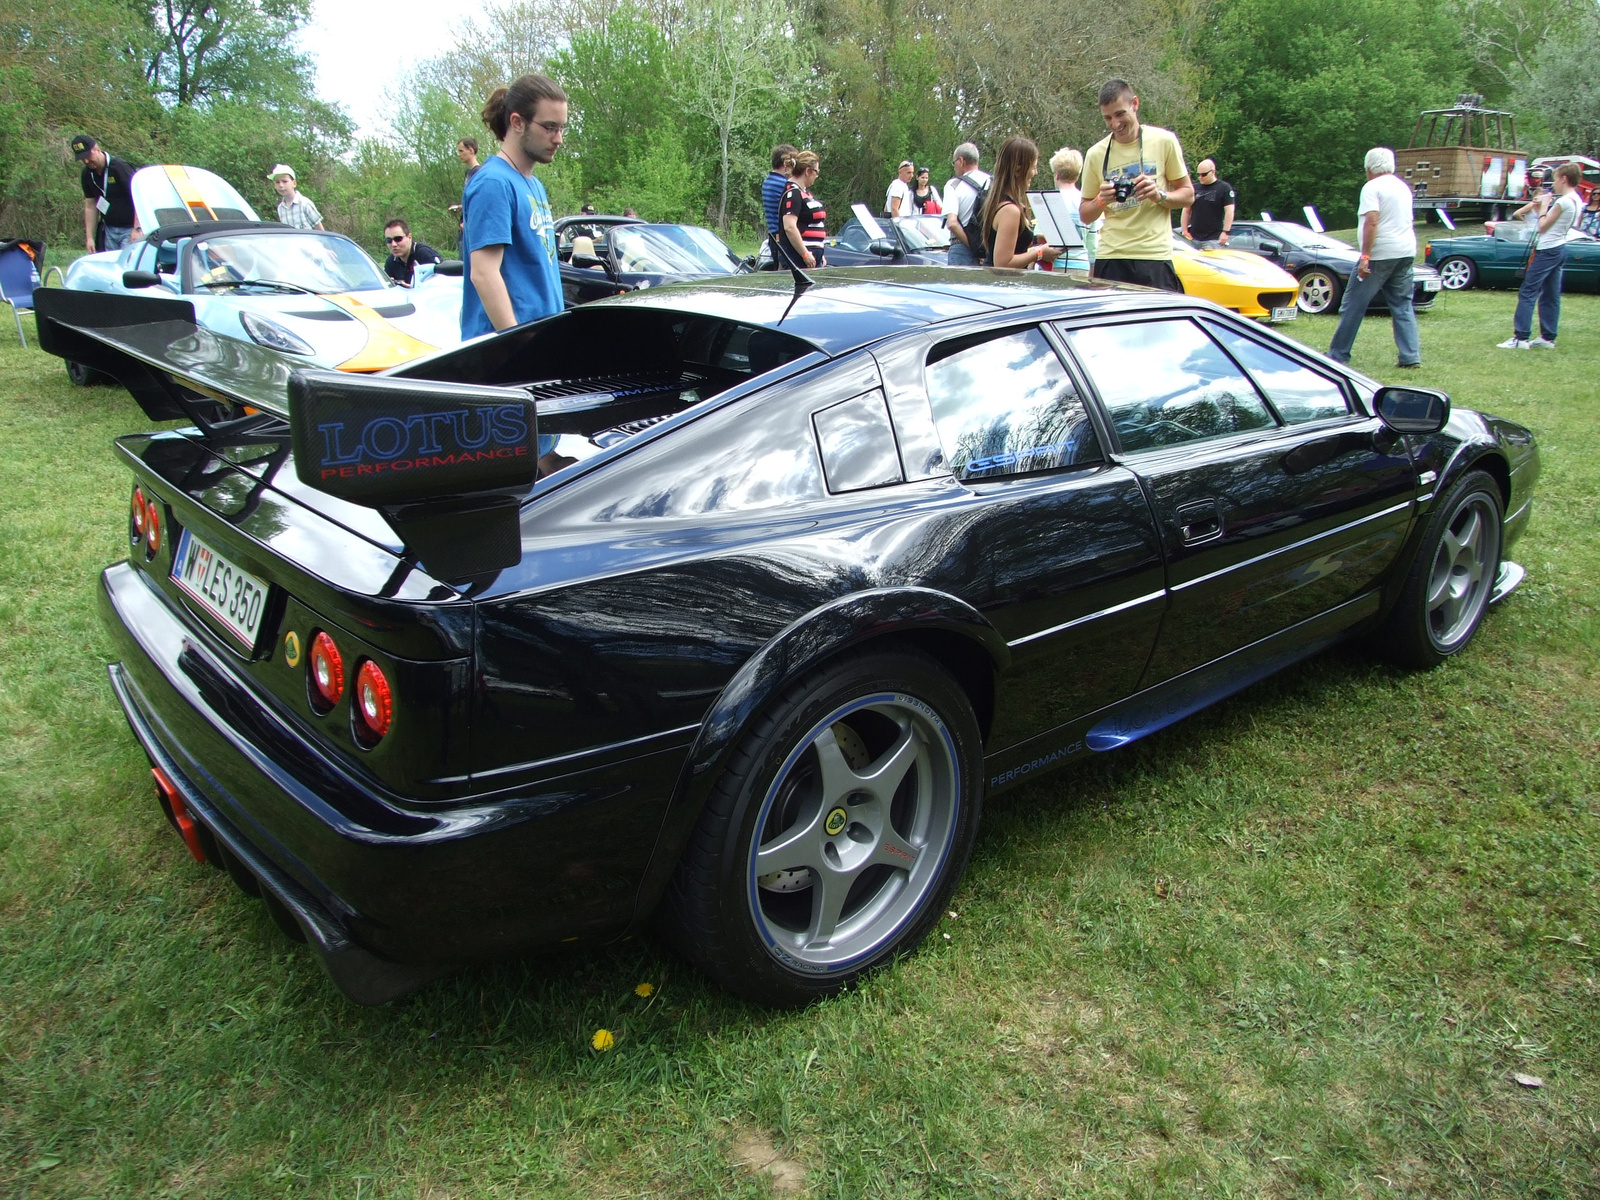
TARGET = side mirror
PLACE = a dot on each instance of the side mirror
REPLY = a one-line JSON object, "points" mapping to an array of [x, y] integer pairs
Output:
{"points": [[1271, 249], [883, 248], [449, 266], [140, 279], [1412, 410]]}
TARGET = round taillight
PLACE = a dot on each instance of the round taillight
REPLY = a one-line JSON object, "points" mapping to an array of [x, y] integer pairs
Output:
{"points": [[374, 705], [152, 528], [327, 672], [138, 513]]}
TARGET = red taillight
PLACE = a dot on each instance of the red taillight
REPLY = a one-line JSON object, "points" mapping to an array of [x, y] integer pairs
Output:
{"points": [[138, 512], [152, 528], [374, 705], [1427, 251], [327, 672]]}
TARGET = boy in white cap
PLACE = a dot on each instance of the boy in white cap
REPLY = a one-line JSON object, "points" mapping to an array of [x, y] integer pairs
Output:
{"points": [[293, 208]]}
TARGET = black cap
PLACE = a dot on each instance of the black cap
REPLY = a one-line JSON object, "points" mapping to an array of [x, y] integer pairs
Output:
{"points": [[81, 145], [587, 210]]}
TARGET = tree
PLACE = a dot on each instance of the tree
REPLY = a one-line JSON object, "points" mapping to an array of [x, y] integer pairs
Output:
{"points": [[1304, 88], [1564, 90], [1505, 36], [210, 50], [743, 59]]}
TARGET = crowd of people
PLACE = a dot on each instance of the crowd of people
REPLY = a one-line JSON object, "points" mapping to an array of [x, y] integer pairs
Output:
{"points": [[1119, 194]]}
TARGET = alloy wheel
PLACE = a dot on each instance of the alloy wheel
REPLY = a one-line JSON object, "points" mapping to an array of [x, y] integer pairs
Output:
{"points": [[1317, 291], [1461, 577]]}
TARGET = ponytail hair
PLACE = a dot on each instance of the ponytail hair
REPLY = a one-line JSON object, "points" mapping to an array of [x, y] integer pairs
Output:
{"points": [[522, 98]]}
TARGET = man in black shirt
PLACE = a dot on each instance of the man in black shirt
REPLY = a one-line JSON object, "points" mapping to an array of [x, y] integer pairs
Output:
{"points": [[108, 217], [1210, 217], [405, 254]]}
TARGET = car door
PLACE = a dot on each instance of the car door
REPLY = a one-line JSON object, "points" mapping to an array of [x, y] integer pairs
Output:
{"points": [[1073, 556], [1278, 501], [849, 247]]}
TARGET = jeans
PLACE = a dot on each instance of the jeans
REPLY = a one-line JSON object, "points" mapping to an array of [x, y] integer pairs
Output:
{"points": [[1543, 285], [1392, 277], [961, 254], [115, 237]]}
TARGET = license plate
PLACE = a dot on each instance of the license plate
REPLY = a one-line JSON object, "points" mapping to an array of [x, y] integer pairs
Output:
{"points": [[1430, 285], [232, 595], [1285, 314]]}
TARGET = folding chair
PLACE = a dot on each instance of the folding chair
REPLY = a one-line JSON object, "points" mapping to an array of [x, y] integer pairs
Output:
{"points": [[19, 276]]}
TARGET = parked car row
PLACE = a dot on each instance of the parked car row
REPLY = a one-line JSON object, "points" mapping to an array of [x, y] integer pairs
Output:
{"points": [[1499, 257]]}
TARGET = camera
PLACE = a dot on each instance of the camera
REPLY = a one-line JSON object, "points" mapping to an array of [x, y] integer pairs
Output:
{"points": [[1124, 188]]}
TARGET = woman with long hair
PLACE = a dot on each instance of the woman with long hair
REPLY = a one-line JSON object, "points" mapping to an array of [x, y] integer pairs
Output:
{"points": [[1007, 218], [924, 196], [804, 219]]}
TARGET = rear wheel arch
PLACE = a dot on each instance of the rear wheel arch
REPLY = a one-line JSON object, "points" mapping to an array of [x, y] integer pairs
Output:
{"points": [[944, 628]]}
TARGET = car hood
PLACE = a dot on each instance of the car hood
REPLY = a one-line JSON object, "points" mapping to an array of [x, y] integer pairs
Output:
{"points": [[1234, 266]]}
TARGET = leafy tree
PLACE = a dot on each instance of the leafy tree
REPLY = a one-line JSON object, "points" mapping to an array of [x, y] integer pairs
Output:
{"points": [[1504, 37], [1563, 91], [1304, 88], [743, 59], [210, 50]]}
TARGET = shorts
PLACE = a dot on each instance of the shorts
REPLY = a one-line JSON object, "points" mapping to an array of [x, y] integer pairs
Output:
{"points": [[1150, 272]]}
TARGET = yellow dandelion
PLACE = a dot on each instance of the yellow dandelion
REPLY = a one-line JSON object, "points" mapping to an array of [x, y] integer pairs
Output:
{"points": [[602, 1040], [645, 990]]}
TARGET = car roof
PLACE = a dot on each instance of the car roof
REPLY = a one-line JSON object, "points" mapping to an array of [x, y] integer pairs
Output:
{"points": [[188, 229], [848, 308]]}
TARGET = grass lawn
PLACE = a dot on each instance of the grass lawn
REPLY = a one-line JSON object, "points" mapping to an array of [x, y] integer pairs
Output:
{"points": [[1296, 945]]}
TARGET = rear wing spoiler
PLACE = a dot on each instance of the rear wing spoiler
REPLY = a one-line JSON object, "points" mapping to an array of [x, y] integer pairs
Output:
{"points": [[171, 366]]}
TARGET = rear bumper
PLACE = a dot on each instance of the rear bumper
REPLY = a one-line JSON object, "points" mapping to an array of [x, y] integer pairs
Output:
{"points": [[390, 893]]}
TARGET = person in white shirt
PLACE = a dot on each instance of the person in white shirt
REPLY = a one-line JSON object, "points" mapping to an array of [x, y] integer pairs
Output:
{"points": [[1542, 285], [963, 200], [898, 202], [1066, 164], [1388, 252]]}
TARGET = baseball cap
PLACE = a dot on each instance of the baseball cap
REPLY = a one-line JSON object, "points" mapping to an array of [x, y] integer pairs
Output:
{"points": [[283, 169], [81, 145]]}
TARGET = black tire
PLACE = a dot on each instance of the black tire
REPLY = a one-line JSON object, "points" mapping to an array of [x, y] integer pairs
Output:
{"points": [[1320, 289], [1457, 273], [1448, 586], [84, 376], [894, 716]]}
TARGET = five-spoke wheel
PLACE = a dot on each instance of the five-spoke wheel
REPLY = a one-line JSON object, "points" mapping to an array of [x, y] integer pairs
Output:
{"points": [[839, 828], [1320, 289], [1453, 576]]}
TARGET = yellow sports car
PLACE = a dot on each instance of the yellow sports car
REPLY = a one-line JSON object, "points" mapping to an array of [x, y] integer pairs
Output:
{"points": [[1236, 279]]}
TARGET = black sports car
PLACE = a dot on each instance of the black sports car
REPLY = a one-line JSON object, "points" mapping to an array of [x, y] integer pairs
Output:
{"points": [[810, 573], [1321, 263], [604, 256]]}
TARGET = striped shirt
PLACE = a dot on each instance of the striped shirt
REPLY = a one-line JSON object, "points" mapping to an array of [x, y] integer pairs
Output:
{"points": [[299, 212], [810, 216]]}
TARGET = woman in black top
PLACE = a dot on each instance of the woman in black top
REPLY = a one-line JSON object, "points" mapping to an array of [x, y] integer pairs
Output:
{"points": [[924, 196], [802, 220], [1007, 219]]}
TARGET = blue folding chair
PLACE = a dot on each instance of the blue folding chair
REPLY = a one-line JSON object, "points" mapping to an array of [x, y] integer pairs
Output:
{"points": [[19, 276]]}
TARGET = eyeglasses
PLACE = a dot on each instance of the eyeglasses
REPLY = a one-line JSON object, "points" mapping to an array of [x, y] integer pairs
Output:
{"points": [[399, 237], [553, 128]]}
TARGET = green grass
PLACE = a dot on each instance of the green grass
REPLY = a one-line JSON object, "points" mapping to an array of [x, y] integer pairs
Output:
{"points": [[1293, 946]]}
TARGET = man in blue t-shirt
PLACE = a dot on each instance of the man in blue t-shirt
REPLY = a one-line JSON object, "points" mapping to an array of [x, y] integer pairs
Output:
{"points": [[508, 231]]}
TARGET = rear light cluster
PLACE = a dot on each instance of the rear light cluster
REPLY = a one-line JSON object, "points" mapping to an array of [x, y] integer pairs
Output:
{"points": [[372, 706], [145, 522]]}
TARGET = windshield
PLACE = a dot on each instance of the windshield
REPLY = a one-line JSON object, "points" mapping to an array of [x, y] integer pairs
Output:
{"points": [[671, 250], [923, 233], [317, 262], [1305, 238]]}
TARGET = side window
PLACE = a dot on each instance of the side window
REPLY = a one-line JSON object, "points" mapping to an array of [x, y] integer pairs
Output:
{"points": [[857, 444], [1006, 406], [1297, 392], [854, 236], [1243, 239], [1165, 383]]}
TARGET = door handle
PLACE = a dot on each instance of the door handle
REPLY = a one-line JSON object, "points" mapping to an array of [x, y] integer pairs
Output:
{"points": [[1200, 521]]}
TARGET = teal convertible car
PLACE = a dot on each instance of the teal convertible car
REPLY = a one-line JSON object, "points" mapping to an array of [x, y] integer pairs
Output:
{"points": [[1495, 259]]}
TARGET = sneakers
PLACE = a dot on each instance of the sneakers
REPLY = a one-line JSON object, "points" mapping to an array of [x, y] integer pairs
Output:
{"points": [[1400, 366], [1513, 343], [1541, 343]]}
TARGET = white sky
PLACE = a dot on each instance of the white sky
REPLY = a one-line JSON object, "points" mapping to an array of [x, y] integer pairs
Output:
{"points": [[362, 47]]}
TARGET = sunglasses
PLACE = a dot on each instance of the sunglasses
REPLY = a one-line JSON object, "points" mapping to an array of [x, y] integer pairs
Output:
{"points": [[399, 237]]}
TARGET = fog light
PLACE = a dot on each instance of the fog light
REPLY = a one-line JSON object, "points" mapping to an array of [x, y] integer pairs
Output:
{"points": [[327, 672], [374, 705]]}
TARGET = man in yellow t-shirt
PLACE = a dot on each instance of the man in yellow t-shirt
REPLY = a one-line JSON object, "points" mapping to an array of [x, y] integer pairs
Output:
{"points": [[1134, 177]]}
